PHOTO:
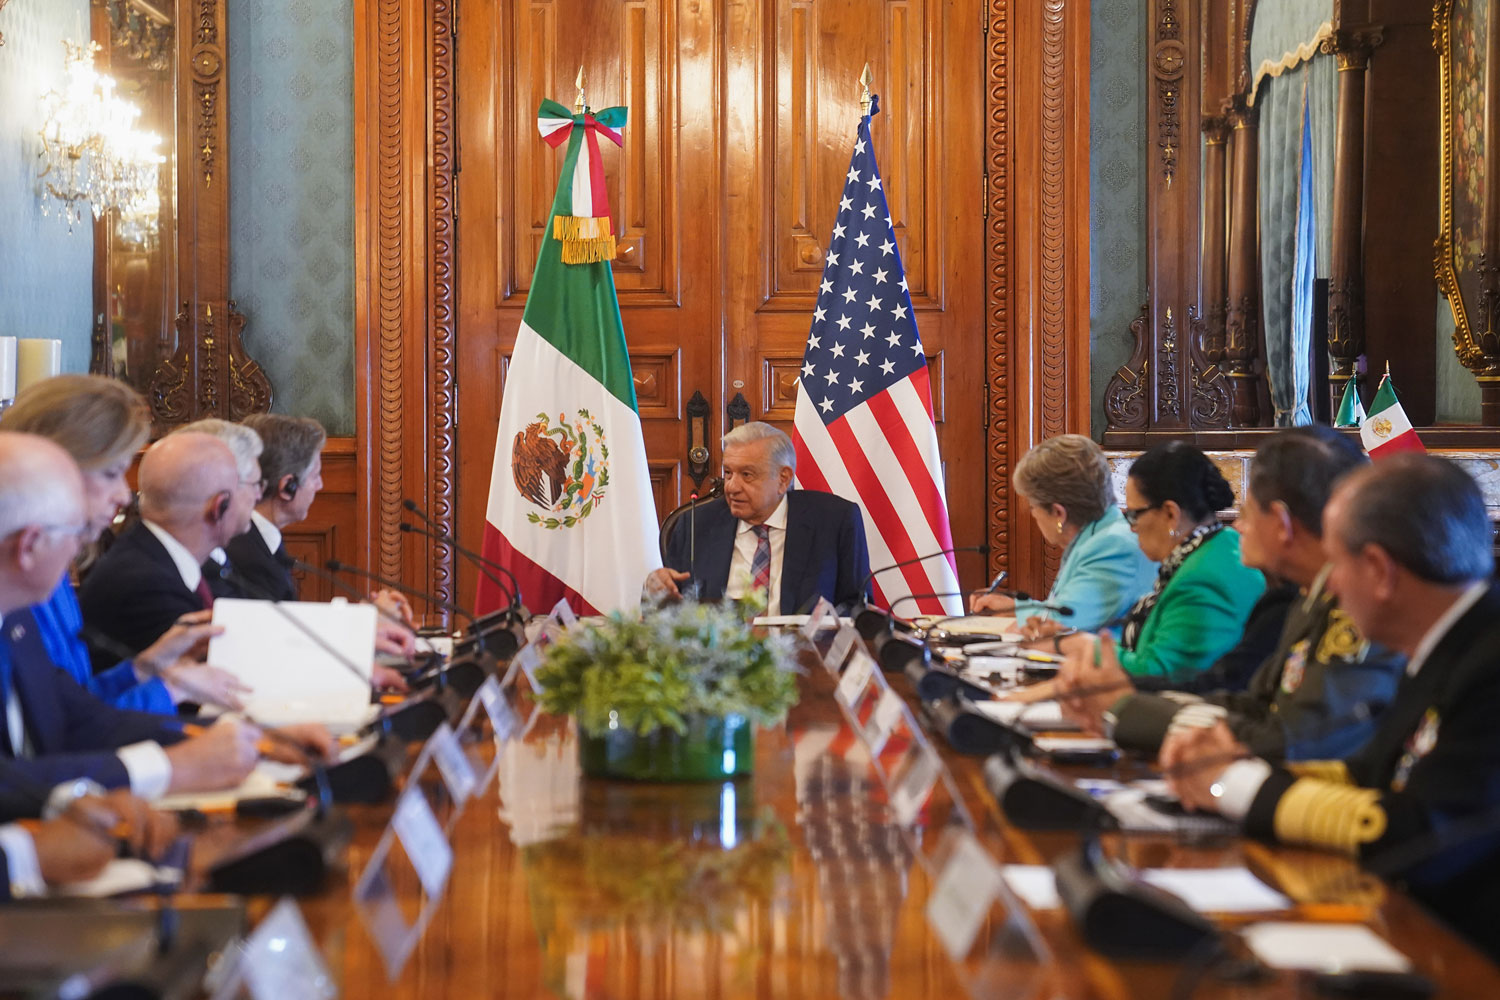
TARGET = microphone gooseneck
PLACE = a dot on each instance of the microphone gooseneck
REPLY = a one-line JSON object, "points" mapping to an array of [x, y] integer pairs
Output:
{"points": [[480, 563], [982, 548], [334, 566], [437, 533]]}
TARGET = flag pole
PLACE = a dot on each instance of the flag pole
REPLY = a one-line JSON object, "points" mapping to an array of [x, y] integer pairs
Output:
{"points": [[579, 104], [864, 99]]}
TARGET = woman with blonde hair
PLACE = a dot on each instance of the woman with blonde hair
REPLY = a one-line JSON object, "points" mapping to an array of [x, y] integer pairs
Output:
{"points": [[1065, 480], [102, 423]]}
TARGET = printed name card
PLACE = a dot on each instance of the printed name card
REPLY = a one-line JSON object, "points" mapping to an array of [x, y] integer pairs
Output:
{"points": [[838, 652], [915, 784], [562, 613], [453, 764], [855, 678], [528, 660], [962, 896], [503, 719], [819, 619], [422, 838], [883, 721], [281, 962]]}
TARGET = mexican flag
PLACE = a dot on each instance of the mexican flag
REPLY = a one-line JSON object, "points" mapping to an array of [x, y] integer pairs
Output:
{"points": [[1386, 430], [571, 510], [1351, 408]]}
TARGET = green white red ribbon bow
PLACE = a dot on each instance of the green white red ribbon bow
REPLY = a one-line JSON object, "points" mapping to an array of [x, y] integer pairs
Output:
{"points": [[580, 213]]}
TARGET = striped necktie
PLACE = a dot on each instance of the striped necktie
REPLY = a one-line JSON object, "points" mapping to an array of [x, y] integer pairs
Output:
{"points": [[760, 565]]}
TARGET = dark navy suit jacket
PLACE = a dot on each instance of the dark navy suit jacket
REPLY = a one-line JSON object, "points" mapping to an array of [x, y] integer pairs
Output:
{"points": [[134, 594], [269, 574], [73, 734], [824, 555]]}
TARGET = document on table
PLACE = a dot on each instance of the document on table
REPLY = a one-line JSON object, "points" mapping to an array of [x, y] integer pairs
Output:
{"points": [[120, 876], [1323, 947], [307, 662], [1036, 715], [790, 621], [1207, 890], [1218, 890]]}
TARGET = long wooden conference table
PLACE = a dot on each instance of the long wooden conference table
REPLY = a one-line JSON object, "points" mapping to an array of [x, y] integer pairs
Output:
{"points": [[793, 883]]}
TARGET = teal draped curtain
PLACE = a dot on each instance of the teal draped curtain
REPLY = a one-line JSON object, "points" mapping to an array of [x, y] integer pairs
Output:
{"points": [[1296, 140]]}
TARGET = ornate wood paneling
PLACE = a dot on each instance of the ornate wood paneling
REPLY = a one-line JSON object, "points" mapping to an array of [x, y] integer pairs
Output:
{"points": [[629, 58], [741, 117]]}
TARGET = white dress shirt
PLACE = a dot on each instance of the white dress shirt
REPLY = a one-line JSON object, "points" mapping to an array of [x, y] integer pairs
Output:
{"points": [[189, 568], [22, 867], [744, 555], [147, 766], [1240, 782], [267, 529]]}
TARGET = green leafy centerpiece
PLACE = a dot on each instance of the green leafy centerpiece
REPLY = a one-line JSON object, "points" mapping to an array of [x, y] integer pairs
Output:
{"points": [[673, 696]]}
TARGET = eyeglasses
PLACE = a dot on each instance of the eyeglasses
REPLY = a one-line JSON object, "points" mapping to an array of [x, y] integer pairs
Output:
{"points": [[1133, 514], [259, 484]]}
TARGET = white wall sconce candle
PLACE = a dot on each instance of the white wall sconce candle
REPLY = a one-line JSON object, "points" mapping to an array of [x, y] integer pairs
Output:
{"points": [[36, 359]]}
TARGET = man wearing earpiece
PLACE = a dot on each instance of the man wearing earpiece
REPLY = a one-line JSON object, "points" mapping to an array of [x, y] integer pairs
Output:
{"points": [[291, 469], [191, 503]]}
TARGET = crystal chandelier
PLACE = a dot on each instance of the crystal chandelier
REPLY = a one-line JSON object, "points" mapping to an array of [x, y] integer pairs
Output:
{"points": [[91, 149]]}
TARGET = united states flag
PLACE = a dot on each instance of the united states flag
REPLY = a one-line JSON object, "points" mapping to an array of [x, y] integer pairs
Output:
{"points": [[863, 426]]}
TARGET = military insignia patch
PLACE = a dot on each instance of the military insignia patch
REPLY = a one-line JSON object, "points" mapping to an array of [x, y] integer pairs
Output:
{"points": [[562, 468], [1341, 640], [1295, 668]]}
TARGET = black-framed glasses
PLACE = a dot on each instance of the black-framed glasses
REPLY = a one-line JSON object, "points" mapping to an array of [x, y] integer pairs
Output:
{"points": [[1133, 514]]}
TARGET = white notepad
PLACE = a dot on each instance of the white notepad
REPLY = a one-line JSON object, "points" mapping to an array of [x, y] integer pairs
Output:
{"points": [[1323, 948], [305, 661]]}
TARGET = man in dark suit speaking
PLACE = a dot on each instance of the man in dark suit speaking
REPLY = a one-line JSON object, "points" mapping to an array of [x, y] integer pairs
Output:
{"points": [[763, 536]]}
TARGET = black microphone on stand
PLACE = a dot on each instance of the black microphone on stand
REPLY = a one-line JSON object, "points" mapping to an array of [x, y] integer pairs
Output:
{"points": [[872, 620], [501, 642], [440, 535], [479, 563]]}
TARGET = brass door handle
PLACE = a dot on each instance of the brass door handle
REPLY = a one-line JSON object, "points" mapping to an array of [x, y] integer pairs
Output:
{"points": [[697, 440]]}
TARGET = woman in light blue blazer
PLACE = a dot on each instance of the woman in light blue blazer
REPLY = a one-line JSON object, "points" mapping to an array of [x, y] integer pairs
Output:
{"points": [[1066, 482]]}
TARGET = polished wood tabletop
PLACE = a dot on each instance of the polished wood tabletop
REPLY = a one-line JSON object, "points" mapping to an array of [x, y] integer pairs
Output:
{"points": [[792, 883]]}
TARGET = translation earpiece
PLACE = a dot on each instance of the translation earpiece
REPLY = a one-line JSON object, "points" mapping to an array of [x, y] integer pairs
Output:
{"points": [[289, 486]]}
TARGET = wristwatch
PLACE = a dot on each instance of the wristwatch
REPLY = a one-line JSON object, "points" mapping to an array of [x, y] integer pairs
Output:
{"points": [[64, 795]]}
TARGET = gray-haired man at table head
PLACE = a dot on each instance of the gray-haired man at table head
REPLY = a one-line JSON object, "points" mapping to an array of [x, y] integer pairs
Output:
{"points": [[793, 545], [1319, 693], [1411, 548]]}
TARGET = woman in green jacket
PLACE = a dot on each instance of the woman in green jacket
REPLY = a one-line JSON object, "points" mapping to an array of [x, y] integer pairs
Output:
{"points": [[1203, 593]]}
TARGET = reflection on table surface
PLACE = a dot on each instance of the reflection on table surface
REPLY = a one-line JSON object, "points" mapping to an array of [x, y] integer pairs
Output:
{"points": [[790, 883]]}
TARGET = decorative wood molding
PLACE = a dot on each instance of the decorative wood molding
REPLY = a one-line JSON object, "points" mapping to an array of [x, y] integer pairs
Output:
{"points": [[441, 498], [249, 387], [997, 291], [1054, 277], [1125, 404], [1168, 59]]}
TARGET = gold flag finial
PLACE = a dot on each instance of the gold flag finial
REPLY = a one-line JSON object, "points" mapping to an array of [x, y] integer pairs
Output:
{"points": [[864, 98], [1388, 369], [579, 104]]}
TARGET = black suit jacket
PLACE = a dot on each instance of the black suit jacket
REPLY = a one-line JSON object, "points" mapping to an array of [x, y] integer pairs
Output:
{"points": [[268, 574], [1435, 760], [824, 554], [134, 594], [73, 734]]}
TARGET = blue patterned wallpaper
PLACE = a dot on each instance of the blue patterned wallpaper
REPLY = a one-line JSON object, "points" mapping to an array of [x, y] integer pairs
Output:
{"points": [[46, 274], [291, 209], [1117, 188]]}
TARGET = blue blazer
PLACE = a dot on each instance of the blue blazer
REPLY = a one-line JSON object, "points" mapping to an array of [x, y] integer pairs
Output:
{"points": [[825, 552], [59, 619], [1103, 573], [73, 734]]}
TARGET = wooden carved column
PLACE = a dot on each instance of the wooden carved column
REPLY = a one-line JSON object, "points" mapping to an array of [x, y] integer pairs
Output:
{"points": [[1242, 318], [1211, 399], [1346, 287]]}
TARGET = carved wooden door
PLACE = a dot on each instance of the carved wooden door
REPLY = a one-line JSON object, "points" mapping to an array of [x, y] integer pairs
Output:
{"points": [[724, 195]]}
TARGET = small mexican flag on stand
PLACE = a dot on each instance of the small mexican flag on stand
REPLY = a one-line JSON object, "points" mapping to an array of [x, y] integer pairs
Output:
{"points": [[1351, 408], [1386, 430]]}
